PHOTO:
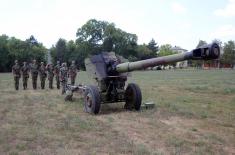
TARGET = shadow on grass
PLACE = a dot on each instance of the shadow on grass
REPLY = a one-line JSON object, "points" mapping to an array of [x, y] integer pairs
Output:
{"points": [[105, 109], [111, 108]]}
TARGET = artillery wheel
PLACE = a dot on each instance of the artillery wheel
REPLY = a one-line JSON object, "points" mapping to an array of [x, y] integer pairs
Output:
{"points": [[69, 95], [133, 97], [92, 100], [215, 51]]}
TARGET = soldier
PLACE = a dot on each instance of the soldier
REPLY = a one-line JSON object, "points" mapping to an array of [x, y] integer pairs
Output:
{"points": [[63, 76], [25, 75], [34, 73], [16, 73], [72, 72], [43, 75], [50, 70], [57, 74]]}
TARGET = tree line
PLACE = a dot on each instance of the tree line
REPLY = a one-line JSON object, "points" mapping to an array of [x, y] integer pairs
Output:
{"points": [[92, 38], [98, 36], [12, 49]]}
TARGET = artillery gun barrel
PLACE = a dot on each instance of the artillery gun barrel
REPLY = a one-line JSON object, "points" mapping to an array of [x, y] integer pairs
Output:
{"points": [[206, 52]]}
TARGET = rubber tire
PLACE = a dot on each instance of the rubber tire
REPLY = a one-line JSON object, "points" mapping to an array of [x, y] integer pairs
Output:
{"points": [[133, 97], [212, 52], [68, 98], [96, 100]]}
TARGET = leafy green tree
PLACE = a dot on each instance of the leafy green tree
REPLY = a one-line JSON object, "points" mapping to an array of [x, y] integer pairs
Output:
{"points": [[92, 32], [13, 48], [71, 49], [53, 54], [32, 41], [143, 52], [34, 50], [4, 53], [25, 51], [110, 37], [60, 50], [201, 43], [166, 50], [152, 45], [229, 53], [100, 36]]}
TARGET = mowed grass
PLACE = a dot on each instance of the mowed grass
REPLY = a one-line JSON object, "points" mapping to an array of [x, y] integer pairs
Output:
{"points": [[194, 114]]}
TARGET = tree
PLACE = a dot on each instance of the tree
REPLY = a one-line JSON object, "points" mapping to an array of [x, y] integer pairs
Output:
{"points": [[92, 31], [32, 40], [152, 45], [100, 36], [34, 50], [60, 49], [166, 50], [4, 53], [201, 43], [229, 53], [71, 50], [143, 52], [12, 48], [92, 35]]}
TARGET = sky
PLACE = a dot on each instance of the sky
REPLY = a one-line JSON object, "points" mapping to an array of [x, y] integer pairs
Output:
{"points": [[177, 22]]}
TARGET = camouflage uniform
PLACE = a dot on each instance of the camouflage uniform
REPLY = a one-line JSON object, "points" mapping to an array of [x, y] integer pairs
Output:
{"points": [[34, 73], [50, 70], [63, 76], [43, 75], [16, 73], [57, 74], [25, 75], [72, 72]]}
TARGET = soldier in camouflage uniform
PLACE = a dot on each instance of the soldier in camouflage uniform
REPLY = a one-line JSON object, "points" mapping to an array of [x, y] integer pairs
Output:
{"points": [[25, 74], [72, 73], [43, 75], [16, 74], [50, 71], [34, 73], [63, 76], [57, 74]]}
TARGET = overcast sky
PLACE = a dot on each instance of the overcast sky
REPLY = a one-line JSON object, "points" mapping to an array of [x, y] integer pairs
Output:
{"points": [[178, 22]]}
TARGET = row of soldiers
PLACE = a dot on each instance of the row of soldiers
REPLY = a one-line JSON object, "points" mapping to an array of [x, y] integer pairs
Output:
{"points": [[61, 74]]}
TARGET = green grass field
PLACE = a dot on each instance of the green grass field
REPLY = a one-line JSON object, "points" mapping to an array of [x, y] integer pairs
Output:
{"points": [[194, 114]]}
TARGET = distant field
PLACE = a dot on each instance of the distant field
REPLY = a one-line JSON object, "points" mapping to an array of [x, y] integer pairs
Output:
{"points": [[194, 114]]}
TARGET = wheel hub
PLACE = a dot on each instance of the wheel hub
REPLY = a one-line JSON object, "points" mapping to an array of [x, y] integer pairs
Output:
{"points": [[89, 100]]}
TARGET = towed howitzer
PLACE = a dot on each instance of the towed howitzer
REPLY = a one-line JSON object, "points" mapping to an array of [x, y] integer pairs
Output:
{"points": [[111, 74]]}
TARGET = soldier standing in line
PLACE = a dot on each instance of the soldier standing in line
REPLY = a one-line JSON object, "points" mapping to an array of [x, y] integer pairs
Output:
{"points": [[57, 74], [16, 74], [34, 73], [72, 72], [25, 74], [43, 75], [63, 76], [50, 70]]}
